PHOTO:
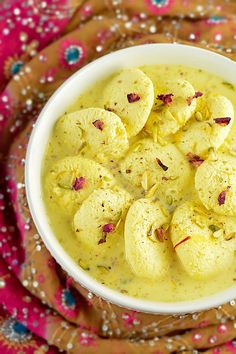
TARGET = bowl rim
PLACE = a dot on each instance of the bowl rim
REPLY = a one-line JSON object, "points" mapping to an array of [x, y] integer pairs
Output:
{"points": [[33, 191]]}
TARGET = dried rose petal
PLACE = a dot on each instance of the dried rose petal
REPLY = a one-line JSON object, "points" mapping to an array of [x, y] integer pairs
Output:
{"points": [[222, 196], [166, 99], [182, 241], [108, 228], [161, 234], [198, 94], [195, 160], [103, 239], [133, 97], [190, 99], [223, 121], [108, 108], [164, 167], [79, 183], [98, 124]]}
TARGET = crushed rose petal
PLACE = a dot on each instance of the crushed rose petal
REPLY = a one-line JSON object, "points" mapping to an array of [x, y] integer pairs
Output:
{"points": [[161, 234], [133, 97], [222, 196], [194, 160], [98, 124], [108, 228], [79, 183], [166, 99], [222, 121], [164, 167], [103, 239], [182, 241], [190, 99]]}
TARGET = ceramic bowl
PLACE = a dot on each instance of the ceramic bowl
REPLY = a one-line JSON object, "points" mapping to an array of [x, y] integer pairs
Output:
{"points": [[64, 96]]}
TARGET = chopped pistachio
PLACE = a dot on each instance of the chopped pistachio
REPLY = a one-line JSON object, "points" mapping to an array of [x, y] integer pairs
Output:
{"points": [[173, 178], [118, 224], [82, 147], [83, 265], [65, 181], [213, 228], [164, 211], [144, 180], [200, 211], [103, 268], [63, 185], [151, 191], [212, 154], [230, 236], [169, 115], [218, 233], [169, 200], [161, 141], [165, 226], [228, 84], [199, 116], [185, 128], [155, 134], [136, 148], [199, 222]]}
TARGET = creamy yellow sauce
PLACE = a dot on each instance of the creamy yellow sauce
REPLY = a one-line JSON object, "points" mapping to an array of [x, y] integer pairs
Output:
{"points": [[110, 267]]}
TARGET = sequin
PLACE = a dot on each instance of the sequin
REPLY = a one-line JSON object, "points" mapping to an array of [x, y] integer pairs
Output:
{"points": [[197, 337], [215, 20], [159, 6], [15, 331], [72, 54], [2, 284], [68, 299], [212, 339], [15, 68]]}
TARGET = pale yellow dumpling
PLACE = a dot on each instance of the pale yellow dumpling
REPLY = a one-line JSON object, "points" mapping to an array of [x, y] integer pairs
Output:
{"points": [[68, 134], [102, 207], [73, 179], [203, 133], [199, 239], [215, 182], [148, 256], [168, 119], [99, 132], [130, 95], [150, 166]]}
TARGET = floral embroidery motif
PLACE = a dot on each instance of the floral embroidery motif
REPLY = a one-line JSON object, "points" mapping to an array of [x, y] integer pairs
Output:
{"points": [[216, 20], [87, 339], [72, 54], [159, 7], [67, 302], [12, 66], [15, 331], [130, 320]]}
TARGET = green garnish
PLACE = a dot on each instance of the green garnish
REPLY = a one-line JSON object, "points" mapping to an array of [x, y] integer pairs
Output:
{"points": [[103, 267], [83, 265], [214, 228], [228, 84]]}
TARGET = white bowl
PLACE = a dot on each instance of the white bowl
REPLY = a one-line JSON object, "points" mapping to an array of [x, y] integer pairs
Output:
{"points": [[131, 57]]}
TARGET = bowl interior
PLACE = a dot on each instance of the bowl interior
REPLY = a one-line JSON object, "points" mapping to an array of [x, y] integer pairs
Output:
{"points": [[131, 57]]}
